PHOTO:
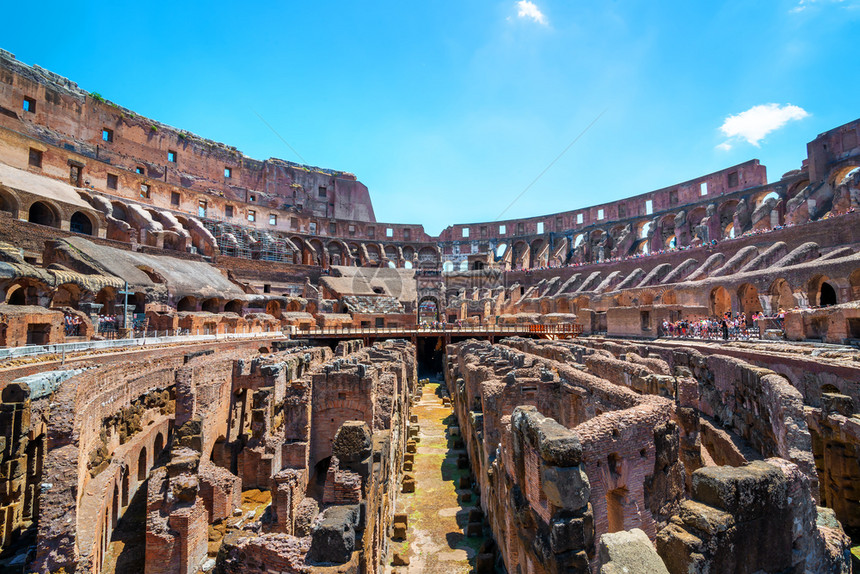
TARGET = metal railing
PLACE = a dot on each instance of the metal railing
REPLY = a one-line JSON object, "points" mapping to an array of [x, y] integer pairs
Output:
{"points": [[441, 330], [146, 340]]}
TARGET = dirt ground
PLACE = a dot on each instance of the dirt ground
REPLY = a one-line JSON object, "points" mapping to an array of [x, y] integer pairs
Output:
{"points": [[435, 542]]}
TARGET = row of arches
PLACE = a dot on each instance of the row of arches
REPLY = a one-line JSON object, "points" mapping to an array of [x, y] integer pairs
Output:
{"points": [[43, 213], [820, 291], [31, 291], [726, 218], [355, 254]]}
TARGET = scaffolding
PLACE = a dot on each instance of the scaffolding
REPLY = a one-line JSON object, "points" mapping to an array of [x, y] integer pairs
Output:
{"points": [[231, 239], [268, 247], [248, 243]]}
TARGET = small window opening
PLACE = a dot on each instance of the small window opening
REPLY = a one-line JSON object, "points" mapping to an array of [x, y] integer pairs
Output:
{"points": [[228, 211], [465, 232], [171, 156], [540, 227], [322, 192], [174, 198], [273, 219], [252, 215], [35, 158], [30, 105], [389, 232], [733, 179], [144, 191], [112, 181], [599, 214], [579, 218], [139, 170], [107, 135]]}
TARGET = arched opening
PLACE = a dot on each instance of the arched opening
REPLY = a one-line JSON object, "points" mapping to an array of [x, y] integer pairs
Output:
{"points": [[781, 296], [478, 265], [764, 197], [142, 467], [671, 242], [188, 303], [158, 445], [720, 301], [428, 311], [41, 214], [828, 295], [125, 489], [8, 203], [391, 264], [726, 213], [80, 223], [844, 175], [749, 301], [854, 282], [447, 267], [106, 297], [464, 265], [273, 308], [137, 302], [320, 472], [234, 306], [66, 295], [538, 253], [373, 254], [500, 250], [821, 292], [28, 292], [16, 295], [114, 512], [210, 305], [407, 264]]}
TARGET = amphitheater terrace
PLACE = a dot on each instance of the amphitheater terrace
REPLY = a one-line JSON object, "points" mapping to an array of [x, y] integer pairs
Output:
{"points": [[214, 363]]}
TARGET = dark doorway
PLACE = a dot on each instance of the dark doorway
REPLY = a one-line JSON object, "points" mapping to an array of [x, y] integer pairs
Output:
{"points": [[41, 214], [430, 352], [80, 223], [38, 334], [828, 295]]}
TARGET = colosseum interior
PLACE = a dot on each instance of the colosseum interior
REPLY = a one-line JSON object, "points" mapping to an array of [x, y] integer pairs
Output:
{"points": [[213, 363]]}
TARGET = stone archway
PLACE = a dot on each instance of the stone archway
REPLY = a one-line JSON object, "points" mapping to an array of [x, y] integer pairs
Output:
{"points": [[720, 301], [428, 310]]}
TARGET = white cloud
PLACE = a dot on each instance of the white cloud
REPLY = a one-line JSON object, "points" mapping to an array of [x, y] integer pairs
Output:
{"points": [[758, 121], [527, 9], [804, 4]]}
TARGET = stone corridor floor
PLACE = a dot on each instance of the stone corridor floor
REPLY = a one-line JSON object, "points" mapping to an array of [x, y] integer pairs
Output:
{"points": [[435, 540]]}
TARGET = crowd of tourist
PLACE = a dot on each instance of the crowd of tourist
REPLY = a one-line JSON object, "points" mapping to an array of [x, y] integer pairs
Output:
{"points": [[108, 323], [731, 326], [73, 325]]}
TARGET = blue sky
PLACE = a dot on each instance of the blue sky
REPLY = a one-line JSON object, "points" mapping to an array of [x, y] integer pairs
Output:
{"points": [[448, 110]]}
